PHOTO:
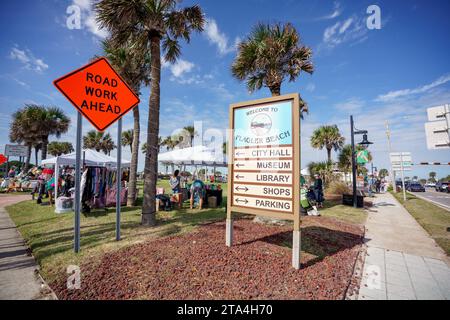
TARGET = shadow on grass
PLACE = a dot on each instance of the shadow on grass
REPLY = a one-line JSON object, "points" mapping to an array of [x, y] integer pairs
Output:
{"points": [[317, 241]]}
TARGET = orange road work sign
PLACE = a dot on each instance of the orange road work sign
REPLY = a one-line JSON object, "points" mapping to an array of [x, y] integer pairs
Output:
{"points": [[98, 92]]}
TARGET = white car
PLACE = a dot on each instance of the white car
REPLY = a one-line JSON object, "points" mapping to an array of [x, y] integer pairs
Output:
{"points": [[430, 185]]}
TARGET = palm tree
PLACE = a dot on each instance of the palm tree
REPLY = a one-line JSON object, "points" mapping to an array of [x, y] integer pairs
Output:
{"points": [[24, 129], [145, 25], [192, 133], [271, 54], [383, 173], [327, 137], [345, 158], [56, 148], [324, 168], [98, 141], [127, 139], [133, 67], [432, 176], [52, 121]]}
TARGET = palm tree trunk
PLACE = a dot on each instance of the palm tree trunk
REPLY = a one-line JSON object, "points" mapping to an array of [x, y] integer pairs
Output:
{"points": [[151, 157], [329, 154], [36, 151], [134, 158], [44, 148], [275, 90], [27, 163]]}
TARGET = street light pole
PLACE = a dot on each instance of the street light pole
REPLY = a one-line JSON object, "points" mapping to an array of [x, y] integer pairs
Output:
{"points": [[392, 172], [353, 162]]}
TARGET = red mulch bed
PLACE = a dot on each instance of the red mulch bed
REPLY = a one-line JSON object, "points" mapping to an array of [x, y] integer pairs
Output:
{"points": [[198, 265]]}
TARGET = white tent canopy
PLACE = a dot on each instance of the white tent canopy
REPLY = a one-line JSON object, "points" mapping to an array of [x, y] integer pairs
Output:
{"points": [[198, 155], [91, 158]]}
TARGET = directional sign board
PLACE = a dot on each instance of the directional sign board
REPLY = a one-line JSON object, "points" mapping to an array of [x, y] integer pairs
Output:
{"points": [[437, 135], [16, 150], [264, 161], [437, 130], [98, 92], [397, 158]]}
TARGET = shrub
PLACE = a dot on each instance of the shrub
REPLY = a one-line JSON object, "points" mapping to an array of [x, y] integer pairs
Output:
{"points": [[337, 187]]}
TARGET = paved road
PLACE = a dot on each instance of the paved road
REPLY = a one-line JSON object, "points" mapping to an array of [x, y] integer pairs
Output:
{"points": [[402, 261], [440, 198], [19, 279]]}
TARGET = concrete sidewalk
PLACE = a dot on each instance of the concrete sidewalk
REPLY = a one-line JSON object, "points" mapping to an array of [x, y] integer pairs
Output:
{"points": [[19, 277], [402, 261]]}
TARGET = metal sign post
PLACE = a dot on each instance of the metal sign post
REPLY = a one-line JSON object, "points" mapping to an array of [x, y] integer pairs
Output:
{"points": [[98, 92], [403, 176], [78, 168], [119, 177], [401, 161], [264, 163]]}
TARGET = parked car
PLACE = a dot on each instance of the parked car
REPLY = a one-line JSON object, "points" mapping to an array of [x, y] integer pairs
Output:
{"points": [[443, 187], [415, 187], [430, 185]]}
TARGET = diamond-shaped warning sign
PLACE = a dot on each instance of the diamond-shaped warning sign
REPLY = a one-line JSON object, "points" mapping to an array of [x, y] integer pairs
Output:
{"points": [[98, 92]]}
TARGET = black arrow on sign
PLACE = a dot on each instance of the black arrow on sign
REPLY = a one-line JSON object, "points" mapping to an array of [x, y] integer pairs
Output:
{"points": [[240, 165], [239, 177], [239, 153], [240, 200], [240, 188]]}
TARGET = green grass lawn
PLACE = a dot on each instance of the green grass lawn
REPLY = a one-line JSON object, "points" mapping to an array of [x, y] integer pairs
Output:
{"points": [[433, 219], [335, 209], [50, 235]]}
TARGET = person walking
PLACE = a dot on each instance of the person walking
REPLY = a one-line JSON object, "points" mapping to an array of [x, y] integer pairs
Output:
{"points": [[318, 190], [175, 184]]}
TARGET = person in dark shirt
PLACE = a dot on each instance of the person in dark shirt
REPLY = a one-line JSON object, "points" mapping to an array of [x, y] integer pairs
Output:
{"points": [[318, 190]]}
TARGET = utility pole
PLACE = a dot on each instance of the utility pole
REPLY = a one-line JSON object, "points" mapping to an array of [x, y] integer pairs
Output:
{"points": [[353, 162], [392, 172]]}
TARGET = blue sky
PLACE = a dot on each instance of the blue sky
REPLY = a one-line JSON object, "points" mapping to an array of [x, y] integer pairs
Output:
{"points": [[392, 74]]}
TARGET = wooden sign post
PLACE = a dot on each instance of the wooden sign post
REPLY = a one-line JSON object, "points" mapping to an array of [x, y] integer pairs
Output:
{"points": [[264, 163]]}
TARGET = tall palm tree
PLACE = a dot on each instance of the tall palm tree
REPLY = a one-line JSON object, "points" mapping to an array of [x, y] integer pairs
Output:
{"points": [[98, 141], [127, 139], [270, 55], [432, 176], [52, 121], [146, 25], [56, 148], [327, 137], [20, 131], [192, 133], [133, 67]]}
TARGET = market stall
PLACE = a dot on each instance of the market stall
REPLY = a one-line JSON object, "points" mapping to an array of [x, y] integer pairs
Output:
{"points": [[197, 157], [97, 183]]}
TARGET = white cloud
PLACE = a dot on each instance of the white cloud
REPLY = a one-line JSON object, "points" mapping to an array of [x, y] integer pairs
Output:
{"points": [[350, 105], [89, 18], [393, 95], [178, 69], [350, 30], [334, 14], [310, 87], [215, 36], [29, 61]]}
